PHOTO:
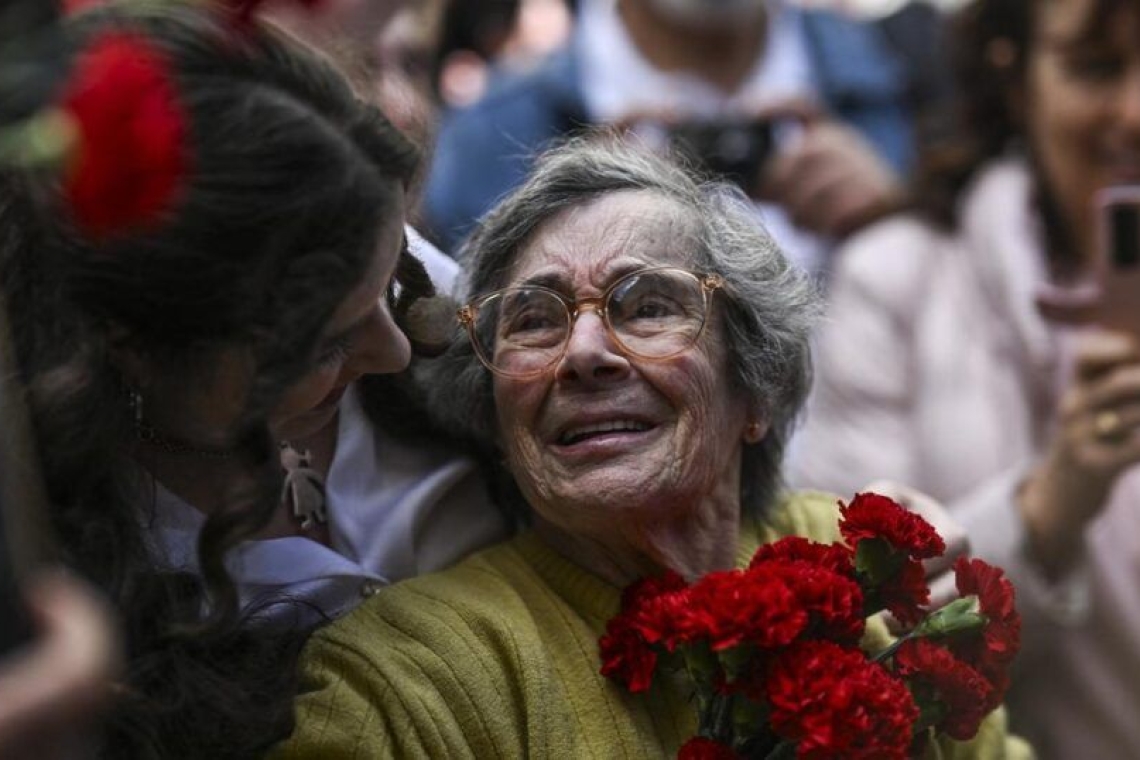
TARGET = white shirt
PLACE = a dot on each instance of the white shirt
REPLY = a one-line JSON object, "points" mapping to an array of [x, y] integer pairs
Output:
{"points": [[394, 511]]}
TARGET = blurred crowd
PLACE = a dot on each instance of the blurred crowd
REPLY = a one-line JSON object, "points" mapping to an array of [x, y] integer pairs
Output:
{"points": [[961, 185]]}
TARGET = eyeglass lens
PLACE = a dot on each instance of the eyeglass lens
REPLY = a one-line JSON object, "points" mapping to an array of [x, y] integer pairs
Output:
{"points": [[652, 314]]}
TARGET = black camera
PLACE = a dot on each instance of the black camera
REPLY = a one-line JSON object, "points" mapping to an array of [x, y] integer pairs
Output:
{"points": [[734, 150]]}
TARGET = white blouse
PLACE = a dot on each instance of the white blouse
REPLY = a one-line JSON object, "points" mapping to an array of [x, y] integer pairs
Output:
{"points": [[394, 511]]}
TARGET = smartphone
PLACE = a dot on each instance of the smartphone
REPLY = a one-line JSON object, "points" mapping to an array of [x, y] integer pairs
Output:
{"points": [[734, 149], [1117, 263], [25, 536]]}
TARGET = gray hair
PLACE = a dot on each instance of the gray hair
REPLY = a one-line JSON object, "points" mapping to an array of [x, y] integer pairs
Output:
{"points": [[771, 304]]}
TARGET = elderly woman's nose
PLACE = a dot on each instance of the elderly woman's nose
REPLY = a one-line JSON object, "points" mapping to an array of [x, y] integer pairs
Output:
{"points": [[591, 352], [383, 348]]}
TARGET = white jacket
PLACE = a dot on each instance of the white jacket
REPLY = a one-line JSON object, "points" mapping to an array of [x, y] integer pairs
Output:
{"points": [[935, 369]]}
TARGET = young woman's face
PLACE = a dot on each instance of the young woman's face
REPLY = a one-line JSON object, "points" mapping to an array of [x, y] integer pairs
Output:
{"points": [[361, 339], [1082, 104]]}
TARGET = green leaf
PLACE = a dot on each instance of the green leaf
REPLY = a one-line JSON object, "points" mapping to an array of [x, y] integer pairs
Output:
{"points": [[960, 616]]}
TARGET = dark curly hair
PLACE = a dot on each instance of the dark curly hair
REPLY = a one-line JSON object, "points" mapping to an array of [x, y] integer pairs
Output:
{"points": [[290, 181]]}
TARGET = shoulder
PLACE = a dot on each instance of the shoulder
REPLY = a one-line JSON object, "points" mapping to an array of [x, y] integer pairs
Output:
{"points": [[452, 608], [889, 261], [426, 668], [539, 98], [808, 514]]}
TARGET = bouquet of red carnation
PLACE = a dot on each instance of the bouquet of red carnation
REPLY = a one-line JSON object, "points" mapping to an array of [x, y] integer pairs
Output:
{"points": [[773, 656]]}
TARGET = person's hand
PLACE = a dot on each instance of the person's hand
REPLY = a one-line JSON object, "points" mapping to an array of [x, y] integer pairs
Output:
{"points": [[53, 688], [829, 179], [1096, 439], [939, 573]]}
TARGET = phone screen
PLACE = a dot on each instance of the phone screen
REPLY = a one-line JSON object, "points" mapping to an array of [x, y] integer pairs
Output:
{"points": [[1123, 229], [1117, 260]]}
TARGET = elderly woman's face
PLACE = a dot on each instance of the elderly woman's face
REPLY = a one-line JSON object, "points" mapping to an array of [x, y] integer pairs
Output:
{"points": [[602, 434]]}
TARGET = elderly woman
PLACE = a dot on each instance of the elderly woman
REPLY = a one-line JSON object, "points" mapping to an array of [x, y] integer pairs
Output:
{"points": [[650, 353]]}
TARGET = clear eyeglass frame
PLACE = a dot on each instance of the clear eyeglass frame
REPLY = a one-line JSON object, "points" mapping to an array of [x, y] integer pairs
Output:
{"points": [[468, 314]]}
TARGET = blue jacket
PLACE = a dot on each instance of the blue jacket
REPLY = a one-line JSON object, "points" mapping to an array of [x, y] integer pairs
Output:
{"points": [[485, 151]]}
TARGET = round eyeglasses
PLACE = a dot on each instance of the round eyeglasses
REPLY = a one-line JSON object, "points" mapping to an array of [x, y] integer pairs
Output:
{"points": [[651, 314]]}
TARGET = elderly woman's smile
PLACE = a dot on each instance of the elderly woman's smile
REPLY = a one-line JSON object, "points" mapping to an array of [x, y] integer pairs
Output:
{"points": [[603, 431]]}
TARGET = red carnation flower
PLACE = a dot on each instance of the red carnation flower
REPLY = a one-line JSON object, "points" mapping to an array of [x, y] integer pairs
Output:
{"points": [[961, 690], [906, 593], [729, 608], [700, 748], [833, 601], [626, 657], [835, 557], [834, 703], [132, 158], [870, 515], [991, 652], [653, 605], [646, 589]]}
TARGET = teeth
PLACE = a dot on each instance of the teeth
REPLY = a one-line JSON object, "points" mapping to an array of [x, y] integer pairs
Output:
{"points": [[576, 434]]}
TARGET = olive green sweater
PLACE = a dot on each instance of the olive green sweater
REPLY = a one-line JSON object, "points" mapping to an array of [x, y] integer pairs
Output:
{"points": [[498, 658]]}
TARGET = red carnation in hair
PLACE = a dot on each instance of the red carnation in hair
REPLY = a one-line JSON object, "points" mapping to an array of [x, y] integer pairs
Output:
{"points": [[700, 748], [870, 515], [934, 670], [131, 159], [833, 702]]}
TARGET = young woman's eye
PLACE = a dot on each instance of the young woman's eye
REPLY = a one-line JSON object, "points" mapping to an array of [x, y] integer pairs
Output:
{"points": [[335, 353]]}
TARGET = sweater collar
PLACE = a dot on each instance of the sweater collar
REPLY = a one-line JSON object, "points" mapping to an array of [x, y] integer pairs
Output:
{"points": [[592, 597]]}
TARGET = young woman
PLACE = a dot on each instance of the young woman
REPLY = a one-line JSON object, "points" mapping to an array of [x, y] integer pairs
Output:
{"points": [[936, 367], [174, 369]]}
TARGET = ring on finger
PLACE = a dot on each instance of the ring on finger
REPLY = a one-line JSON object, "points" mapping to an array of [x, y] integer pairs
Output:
{"points": [[1108, 425]]}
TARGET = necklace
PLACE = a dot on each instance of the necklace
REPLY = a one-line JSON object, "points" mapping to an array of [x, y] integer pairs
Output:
{"points": [[304, 488], [148, 435]]}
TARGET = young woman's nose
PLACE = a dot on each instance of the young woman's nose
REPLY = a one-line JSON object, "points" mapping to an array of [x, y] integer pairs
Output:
{"points": [[591, 352], [382, 349]]}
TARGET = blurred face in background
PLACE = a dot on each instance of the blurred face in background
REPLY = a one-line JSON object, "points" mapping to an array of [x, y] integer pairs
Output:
{"points": [[357, 22], [708, 13], [1082, 106]]}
